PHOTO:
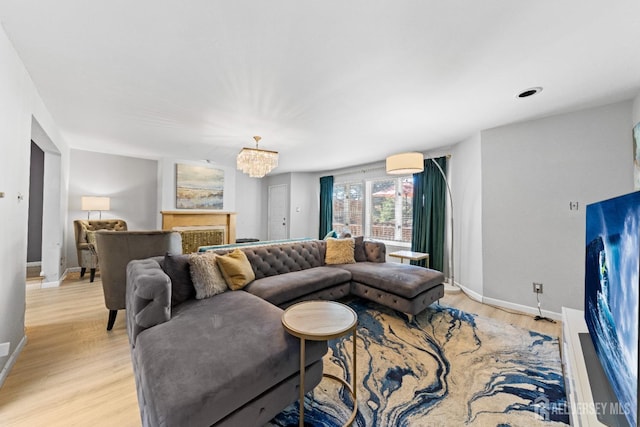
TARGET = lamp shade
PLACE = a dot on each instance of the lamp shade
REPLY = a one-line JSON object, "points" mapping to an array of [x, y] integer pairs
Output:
{"points": [[405, 163], [93, 203]]}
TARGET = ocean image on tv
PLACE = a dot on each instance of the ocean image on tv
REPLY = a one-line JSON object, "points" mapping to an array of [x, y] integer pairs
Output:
{"points": [[611, 293]]}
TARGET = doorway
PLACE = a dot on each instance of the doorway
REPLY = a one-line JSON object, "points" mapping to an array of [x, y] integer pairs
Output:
{"points": [[34, 229], [50, 217]]}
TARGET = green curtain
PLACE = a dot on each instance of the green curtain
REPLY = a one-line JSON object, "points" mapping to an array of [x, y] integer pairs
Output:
{"points": [[429, 199], [326, 205]]}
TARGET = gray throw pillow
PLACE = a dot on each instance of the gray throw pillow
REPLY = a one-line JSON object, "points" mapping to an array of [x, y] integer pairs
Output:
{"points": [[177, 268], [358, 251], [206, 275]]}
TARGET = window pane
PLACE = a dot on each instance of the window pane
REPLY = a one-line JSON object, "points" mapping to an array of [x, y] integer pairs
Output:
{"points": [[407, 209], [354, 223], [383, 209], [347, 208], [387, 201], [338, 206]]}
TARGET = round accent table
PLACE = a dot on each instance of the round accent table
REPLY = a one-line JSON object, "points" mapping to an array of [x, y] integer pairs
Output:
{"points": [[322, 321]]}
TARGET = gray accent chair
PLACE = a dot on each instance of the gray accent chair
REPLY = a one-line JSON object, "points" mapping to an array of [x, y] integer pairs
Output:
{"points": [[85, 231], [116, 249]]}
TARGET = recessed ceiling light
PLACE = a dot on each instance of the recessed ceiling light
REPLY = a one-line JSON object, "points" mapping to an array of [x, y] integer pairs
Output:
{"points": [[529, 92]]}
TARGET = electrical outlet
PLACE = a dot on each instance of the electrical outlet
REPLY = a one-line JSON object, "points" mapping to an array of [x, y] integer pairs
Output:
{"points": [[4, 349], [537, 288]]}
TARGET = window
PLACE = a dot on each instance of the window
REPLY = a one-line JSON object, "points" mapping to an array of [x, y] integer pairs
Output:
{"points": [[347, 208], [378, 208]]}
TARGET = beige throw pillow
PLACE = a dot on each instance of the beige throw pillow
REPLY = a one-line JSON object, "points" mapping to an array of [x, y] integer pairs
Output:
{"points": [[205, 275], [236, 269], [340, 251]]}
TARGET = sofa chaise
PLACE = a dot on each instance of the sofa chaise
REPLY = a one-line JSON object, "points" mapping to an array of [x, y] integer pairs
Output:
{"points": [[226, 360]]}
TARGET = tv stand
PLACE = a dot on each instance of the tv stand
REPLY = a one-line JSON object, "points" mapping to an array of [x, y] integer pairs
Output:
{"points": [[583, 375]]}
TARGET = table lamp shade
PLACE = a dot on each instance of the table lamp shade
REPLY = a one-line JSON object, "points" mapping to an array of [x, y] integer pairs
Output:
{"points": [[93, 203]]}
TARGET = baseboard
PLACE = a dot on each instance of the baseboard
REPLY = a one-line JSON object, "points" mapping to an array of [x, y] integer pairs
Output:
{"points": [[53, 283], [521, 308], [34, 263], [12, 360], [471, 294], [476, 296]]}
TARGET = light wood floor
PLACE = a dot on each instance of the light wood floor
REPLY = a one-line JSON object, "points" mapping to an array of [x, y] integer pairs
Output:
{"points": [[72, 372]]}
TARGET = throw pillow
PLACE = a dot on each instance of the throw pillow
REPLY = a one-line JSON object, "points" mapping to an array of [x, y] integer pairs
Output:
{"points": [[331, 234], [206, 275], [358, 251], [178, 270], [340, 251], [236, 269]]}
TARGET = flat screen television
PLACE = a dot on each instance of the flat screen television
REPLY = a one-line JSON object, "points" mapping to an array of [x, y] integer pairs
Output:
{"points": [[612, 265]]}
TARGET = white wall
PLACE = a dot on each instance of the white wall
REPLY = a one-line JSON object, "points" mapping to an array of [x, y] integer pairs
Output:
{"points": [[249, 207], [530, 173], [19, 104], [305, 205], [131, 183], [466, 187], [636, 110]]}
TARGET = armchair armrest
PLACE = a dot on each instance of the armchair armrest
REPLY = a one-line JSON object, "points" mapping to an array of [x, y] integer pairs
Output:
{"points": [[148, 297]]}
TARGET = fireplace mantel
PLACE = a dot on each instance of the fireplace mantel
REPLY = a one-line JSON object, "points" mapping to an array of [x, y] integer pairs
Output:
{"points": [[200, 218]]}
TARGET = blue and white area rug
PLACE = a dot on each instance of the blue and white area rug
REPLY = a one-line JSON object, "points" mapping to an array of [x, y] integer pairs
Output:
{"points": [[445, 368]]}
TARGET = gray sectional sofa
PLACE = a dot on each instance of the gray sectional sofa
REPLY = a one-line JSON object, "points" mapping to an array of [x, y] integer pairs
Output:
{"points": [[226, 360]]}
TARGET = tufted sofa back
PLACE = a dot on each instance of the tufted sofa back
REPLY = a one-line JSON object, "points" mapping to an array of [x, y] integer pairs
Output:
{"points": [[279, 259], [270, 260]]}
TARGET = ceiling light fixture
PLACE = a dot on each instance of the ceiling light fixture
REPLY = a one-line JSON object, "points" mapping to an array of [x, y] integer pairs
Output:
{"points": [[256, 162], [529, 92]]}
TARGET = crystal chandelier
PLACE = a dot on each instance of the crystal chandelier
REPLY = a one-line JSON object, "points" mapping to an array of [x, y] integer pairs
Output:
{"points": [[255, 161]]}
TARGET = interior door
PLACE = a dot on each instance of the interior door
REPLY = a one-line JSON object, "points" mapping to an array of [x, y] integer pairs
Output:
{"points": [[277, 216]]}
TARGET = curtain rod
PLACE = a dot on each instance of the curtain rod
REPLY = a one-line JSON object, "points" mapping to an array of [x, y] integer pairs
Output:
{"points": [[365, 170]]}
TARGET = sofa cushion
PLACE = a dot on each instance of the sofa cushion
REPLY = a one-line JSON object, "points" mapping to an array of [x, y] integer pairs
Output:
{"points": [[206, 276], [340, 251], [178, 269], [215, 355], [286, 287], [236, 269], [400, 279]]}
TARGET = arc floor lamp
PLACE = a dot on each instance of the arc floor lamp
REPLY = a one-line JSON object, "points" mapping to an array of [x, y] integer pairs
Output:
{"points": [[410, 163]]}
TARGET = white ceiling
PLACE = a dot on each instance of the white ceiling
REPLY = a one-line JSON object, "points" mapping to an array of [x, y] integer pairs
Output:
{"points": [[327, 83]]}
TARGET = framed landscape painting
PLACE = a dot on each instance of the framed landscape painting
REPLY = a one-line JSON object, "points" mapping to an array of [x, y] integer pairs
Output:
{"points": [[199, 187]]}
